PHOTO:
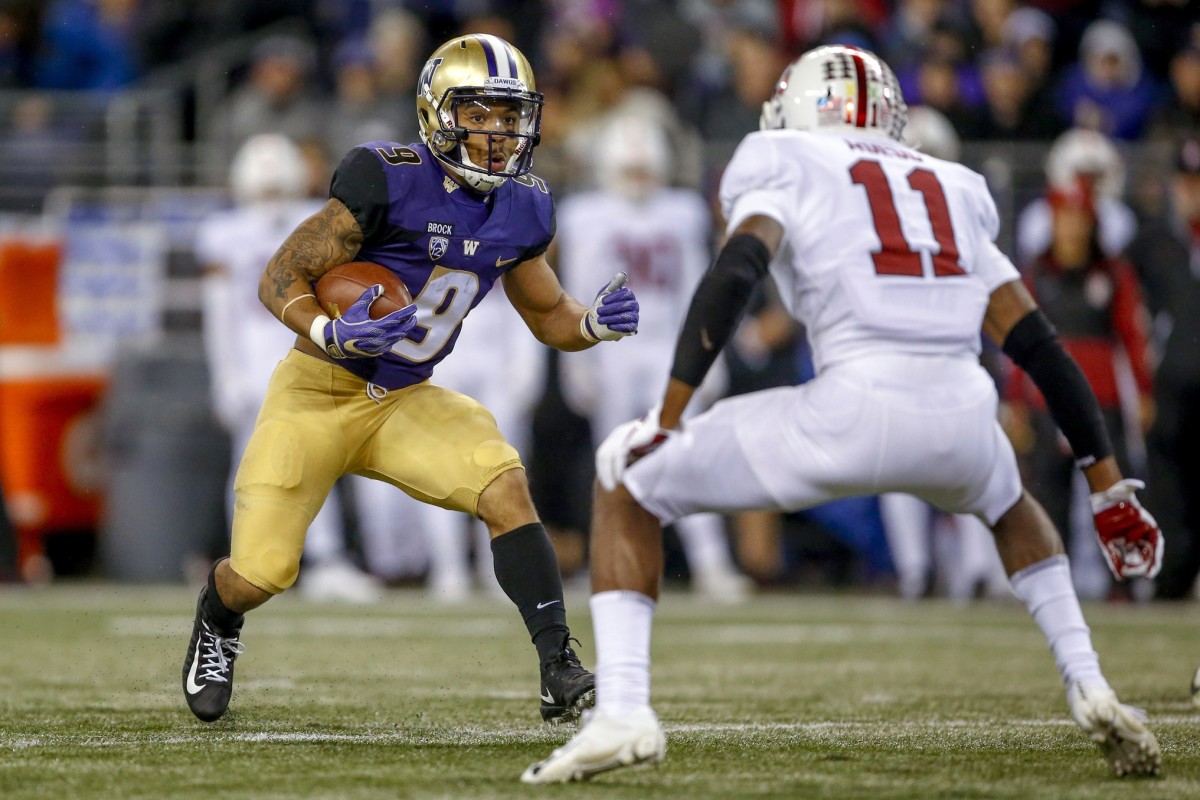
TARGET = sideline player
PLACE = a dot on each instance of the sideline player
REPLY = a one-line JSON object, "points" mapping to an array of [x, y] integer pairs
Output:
{"points": [[888, 258], [451, 216], [659, 236]]}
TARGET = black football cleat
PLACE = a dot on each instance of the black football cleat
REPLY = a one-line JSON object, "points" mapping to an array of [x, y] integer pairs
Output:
{"points": [[208, 668], [567, 688]]}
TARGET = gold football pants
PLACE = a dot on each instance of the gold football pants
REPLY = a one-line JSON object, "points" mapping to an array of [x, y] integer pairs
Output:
{"points": [[317, 424]]}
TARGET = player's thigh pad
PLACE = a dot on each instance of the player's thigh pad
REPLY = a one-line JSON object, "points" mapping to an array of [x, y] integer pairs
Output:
{"points": [[437, 445], [293, 458]]}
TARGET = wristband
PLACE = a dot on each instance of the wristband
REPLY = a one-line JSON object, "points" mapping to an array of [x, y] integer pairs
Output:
{"points": [[584, 328], [316, 331]]}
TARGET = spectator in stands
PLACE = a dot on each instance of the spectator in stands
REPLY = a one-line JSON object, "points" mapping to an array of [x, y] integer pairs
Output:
{"points": [[40, 151], [1095, 303], [1180, 117], [905, 33], [276, 97], [1107, 90], [1009, 111], [937, 85], [87, 44], [726, 110], [1031, 34], [360, 114], [1166, 255], [989, 18], [20, 27], [398, 46]]}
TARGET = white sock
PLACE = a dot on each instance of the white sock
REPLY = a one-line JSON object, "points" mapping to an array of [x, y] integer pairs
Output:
{"points": [[1048, 593], [621, 621]]}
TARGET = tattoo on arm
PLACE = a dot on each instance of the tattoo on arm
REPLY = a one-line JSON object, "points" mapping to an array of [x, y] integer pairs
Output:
{"points": [[324, 240]]}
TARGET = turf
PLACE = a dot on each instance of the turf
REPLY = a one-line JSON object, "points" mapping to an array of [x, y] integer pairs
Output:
{"points": [[792, 696]]}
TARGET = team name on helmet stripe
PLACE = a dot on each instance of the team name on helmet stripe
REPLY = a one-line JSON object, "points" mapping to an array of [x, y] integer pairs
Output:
{"points": [[500, 59]]}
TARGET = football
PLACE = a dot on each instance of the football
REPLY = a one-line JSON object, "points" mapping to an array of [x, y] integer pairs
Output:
{"points": [[341, 286]]}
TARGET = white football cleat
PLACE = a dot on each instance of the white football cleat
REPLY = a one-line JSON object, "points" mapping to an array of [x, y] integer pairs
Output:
{"points": [[1196, 688], [605, 742], [1118, 730], [339, 582]]}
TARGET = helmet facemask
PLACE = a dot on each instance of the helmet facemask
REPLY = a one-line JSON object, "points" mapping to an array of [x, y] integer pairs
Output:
{"points": [[502, 129]]}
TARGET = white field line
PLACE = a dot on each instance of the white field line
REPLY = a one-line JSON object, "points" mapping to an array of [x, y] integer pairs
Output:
{"points": [[324, 627], [732, 634], [473, 736]]}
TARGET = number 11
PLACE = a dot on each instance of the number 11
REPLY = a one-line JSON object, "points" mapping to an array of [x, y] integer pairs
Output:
{"points": [[896, 256]]}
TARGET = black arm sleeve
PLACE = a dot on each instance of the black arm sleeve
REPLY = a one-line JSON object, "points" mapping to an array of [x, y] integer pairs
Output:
{"points": [[717, 306], [1034, 346]]}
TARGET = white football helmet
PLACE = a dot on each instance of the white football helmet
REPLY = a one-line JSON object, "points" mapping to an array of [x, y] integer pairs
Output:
{"points": [[634, 156], [1087, 154], [929, 131], [478, 71], [268, 166], [837, 88]]}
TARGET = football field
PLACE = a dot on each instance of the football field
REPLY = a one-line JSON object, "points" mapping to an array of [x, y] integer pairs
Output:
{"points": [[788, 696]]}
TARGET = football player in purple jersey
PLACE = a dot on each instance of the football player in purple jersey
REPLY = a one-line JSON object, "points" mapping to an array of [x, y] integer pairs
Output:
{"points": [[451, 215]]}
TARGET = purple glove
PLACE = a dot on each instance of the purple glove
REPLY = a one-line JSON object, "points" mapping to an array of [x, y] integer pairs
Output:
{"points": [[355, 335], [613, 315]]}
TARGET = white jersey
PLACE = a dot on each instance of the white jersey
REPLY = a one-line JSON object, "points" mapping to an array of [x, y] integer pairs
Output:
{"points": [[243, 339], [662, 244], [885, 249]]}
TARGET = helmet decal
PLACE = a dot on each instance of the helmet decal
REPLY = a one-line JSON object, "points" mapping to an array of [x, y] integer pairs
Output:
{"points": [[500, 60]]}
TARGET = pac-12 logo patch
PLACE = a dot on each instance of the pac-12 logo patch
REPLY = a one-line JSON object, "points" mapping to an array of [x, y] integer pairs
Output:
{"points": [[438, 245]]}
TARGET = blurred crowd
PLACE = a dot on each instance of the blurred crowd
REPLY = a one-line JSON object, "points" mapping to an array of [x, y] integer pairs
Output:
{"points": [[1115, 261]]}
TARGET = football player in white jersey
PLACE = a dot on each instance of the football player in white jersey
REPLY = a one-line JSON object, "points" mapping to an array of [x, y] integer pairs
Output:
{"points": [[243, 341], [888, 258], [659, 236]]}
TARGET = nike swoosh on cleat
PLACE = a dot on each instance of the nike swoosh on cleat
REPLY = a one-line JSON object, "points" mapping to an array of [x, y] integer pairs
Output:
{"points": [[550, 603], [192, 686], [547, 697]]}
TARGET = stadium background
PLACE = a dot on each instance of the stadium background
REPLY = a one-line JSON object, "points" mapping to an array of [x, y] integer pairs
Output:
{"points": [[118, 119]]}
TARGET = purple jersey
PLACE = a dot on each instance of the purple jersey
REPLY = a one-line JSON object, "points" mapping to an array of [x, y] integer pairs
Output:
{"points": [[448, 244]]}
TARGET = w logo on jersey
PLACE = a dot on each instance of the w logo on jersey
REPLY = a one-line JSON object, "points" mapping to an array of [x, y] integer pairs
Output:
{"points": [[438, 245], [470, 246]]}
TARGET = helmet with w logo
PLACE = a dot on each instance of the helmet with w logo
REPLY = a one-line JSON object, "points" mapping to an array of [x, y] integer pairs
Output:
{"points": [[480, 84], [837, 88]]}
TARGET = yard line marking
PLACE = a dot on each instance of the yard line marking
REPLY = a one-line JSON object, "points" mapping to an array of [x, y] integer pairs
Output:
{"points": [[456, 736], [325, 627]]}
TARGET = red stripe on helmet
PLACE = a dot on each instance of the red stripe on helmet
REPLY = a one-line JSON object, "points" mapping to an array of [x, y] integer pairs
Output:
{"points": [[860, 110]]}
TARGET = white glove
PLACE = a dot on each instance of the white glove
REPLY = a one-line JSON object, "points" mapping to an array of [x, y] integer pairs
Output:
{"points": [[626, 444]]}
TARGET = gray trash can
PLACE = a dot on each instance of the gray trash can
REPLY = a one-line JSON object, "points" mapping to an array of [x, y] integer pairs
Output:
{"points": [[168, 463]]}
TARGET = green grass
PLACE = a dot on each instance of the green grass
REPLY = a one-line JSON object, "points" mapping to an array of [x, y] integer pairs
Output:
{"points": [[786, 697]]}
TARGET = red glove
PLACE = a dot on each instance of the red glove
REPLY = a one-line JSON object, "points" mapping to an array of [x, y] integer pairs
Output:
{"points": [[1128, 535]]}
